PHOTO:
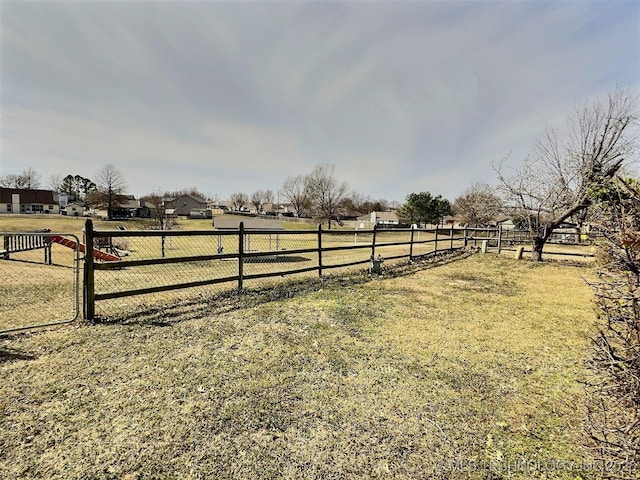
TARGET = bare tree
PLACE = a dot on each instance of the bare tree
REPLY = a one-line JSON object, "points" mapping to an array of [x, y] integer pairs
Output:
{"points": [[326, 193], [29, 179], [555, 183], [191, 191], [294, 189], [12, 181], [54, 182], [109, 191], [238, 200], [257, 200], [162, 220], [478, 204], [268, 196]]}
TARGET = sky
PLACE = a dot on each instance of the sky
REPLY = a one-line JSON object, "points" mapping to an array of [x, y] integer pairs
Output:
{"points": [[400, 96]]}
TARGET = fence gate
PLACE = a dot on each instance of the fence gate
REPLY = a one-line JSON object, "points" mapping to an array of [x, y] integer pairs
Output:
{"points": [[39, 279]]}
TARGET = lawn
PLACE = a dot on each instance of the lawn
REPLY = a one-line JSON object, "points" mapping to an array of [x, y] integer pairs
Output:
{"points": [[468, 370]]}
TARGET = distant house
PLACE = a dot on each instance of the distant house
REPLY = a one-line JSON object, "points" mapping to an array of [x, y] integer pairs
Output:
{"points": [[127, 207], [377, 218], [74, 209], [505, 222], [17, 201], [184, 204]]}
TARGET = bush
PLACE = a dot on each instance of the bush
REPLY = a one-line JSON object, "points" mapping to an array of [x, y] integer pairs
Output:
{"points": [[613, 414]]}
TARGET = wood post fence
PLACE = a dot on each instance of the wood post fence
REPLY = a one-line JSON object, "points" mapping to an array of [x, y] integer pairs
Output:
{"points": [[325, 249]]}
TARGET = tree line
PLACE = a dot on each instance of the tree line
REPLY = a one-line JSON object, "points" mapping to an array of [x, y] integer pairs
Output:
{"points": [[556, 183]]}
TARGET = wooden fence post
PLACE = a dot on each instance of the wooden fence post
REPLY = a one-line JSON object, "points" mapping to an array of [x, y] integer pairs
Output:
{"points": [[499, 237], [240, 254], [47, 254], [89, 300], [451, 241], [435, 243], [465, 237], [411, 244], [320, 250], [373, 241]]}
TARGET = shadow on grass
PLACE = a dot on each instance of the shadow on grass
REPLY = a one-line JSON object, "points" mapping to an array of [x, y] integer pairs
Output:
{"points": [[276, 259], [13, 355], [166, 314]]}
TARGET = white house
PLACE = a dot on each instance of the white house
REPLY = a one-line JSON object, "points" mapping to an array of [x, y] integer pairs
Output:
{"points": [[17, 200]]}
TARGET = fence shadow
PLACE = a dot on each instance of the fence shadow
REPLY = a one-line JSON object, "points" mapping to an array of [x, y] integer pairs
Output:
{"points": [[198, 307], [10, 355], [276, 259]]}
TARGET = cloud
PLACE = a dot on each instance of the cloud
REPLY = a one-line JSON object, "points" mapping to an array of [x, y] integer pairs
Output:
{"points": [[230, 96]]}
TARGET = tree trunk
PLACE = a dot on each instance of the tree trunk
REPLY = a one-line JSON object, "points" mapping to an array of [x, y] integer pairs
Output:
{"points": [[538, 245], [540, 239]]}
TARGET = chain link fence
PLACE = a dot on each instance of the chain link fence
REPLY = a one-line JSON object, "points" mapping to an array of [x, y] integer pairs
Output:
{"points": [[134, 271], [161, 269], [40, 279]]}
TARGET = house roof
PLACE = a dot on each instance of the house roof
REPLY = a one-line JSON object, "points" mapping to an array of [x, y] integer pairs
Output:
{"points": [[173, 199], [27, 196]]}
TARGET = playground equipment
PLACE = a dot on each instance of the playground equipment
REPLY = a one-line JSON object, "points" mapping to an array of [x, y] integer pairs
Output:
{"points": [[98, 254], [24, 242]]}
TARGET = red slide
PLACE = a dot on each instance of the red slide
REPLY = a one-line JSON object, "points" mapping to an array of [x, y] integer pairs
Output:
{"points": [[99, 254]]}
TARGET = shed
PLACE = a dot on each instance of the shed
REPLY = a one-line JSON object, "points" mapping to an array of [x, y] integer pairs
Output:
{"points": [[254, 225], [200, 213], [250, 223]]}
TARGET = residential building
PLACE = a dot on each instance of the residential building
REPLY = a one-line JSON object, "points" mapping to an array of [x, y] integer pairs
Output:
{"points": [[74, 209], [379, 218], [184, 204], [20, 201]]}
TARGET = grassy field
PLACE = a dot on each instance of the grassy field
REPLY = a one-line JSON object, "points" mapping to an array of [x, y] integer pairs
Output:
{"points": [[467, 371]]}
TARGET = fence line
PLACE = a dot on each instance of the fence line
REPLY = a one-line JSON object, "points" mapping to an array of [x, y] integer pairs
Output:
{"points": [[166, 261], [326, 249]]}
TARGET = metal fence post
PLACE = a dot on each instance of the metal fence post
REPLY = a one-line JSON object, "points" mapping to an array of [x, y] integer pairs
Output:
{"points": [[320, 250], [240, 254], [89, 300], [499, 237]]}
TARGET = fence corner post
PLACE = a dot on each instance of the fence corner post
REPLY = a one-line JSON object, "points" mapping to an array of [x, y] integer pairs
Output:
{"points": [[89, 300]]}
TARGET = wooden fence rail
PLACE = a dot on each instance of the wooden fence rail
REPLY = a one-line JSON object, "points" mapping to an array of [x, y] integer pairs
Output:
{"points": [[383, 242], [324, 249]]}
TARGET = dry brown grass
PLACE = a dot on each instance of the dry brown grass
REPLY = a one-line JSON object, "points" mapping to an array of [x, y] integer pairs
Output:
{"points": [[469, 370]]}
